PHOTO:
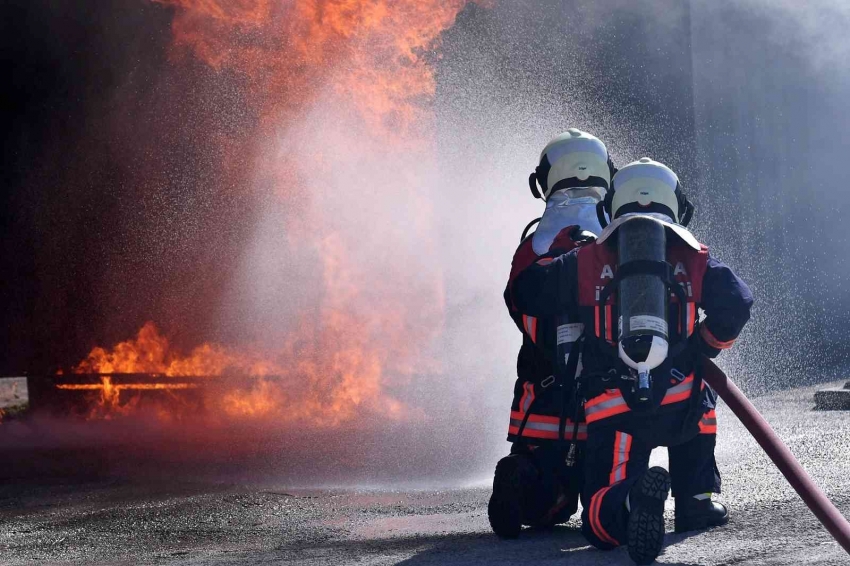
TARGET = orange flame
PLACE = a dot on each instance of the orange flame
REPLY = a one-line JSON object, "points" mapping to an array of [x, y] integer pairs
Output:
{"points": [[371, 56], [324, 390], [373, 52], [328, 371], [149, 352]]}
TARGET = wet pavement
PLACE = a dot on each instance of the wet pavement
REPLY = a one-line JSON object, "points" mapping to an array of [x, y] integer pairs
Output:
{"points": [[136, 521]]}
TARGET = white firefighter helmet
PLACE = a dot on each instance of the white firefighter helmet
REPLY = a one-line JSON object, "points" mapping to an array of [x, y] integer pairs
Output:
{"points": [[572, 159], [647, 186]]}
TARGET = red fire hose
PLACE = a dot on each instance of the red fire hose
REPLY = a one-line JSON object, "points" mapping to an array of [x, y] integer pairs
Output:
{"points": [[811, 494]]}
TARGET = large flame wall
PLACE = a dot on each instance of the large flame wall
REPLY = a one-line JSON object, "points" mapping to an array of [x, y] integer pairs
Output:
{"points": [[333, 87]]}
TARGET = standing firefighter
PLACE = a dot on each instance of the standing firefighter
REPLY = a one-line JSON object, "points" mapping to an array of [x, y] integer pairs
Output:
{"points": [[540, 481], [638, 290]]}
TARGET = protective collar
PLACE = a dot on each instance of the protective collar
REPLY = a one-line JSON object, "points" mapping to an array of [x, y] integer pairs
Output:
{"points": [[677, 229]]}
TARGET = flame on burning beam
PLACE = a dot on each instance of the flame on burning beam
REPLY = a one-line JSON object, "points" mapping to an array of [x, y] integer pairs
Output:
{"points": [[107, 383]]}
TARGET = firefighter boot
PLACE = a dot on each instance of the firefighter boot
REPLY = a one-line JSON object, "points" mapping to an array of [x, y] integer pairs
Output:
{"points": [[514, 474], [699, 512], [645, 531]]}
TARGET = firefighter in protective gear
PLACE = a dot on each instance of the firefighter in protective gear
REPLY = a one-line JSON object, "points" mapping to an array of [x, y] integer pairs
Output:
{"points": [[533, 485], [623, 501]]}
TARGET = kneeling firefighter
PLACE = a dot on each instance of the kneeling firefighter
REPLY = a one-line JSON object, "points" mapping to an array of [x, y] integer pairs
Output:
{"points": [[539, 483], [638, 290]]}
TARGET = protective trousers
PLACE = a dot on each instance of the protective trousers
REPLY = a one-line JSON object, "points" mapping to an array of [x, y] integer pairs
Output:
{"points": [[553, 497], [616, 456]]}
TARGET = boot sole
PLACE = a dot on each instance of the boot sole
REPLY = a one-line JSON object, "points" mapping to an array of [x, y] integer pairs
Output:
{"points": [[505, 508], [646, 521]]}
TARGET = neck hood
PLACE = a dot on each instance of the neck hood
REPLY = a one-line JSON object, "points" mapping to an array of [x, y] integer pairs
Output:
{"points": [[567, 207]]}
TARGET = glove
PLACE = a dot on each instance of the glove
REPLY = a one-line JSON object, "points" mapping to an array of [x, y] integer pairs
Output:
{"points": [[569, 238]]}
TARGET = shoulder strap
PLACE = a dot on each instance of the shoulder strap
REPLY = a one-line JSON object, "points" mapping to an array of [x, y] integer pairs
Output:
{"points": [[571, 370]]}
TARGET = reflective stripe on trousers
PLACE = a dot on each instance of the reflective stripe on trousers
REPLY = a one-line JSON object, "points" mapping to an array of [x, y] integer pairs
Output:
{"points": [[530, 325], [622, 446], [593, 516], [527, 397], [542, 426], [708, 423]]}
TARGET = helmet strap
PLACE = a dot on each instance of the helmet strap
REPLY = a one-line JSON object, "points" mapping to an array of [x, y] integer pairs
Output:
{"points": [[612, 169], [686, 208], [600, 213], [607, 203], [688, 214], [532, 184]]}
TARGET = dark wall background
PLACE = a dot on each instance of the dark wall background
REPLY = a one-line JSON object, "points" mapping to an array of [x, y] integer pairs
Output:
{"points": [[771, 91], [113, 197], [620, 69]]}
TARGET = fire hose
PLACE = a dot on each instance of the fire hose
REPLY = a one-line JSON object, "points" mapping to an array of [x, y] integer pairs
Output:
{"points": [[782, 457]]}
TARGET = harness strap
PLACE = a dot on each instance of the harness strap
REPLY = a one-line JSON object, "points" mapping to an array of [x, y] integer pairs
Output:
{"points": [[525, 418], [572, 453], [696, 397], [571, 370]]}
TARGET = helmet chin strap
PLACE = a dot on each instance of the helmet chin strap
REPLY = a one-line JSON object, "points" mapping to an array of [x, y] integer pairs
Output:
{"points": [[600, 214], [604, 206], [688, 212], [532, 184]]}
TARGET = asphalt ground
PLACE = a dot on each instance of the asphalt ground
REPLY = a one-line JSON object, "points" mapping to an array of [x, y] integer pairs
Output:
{"points": [[67, 519]]}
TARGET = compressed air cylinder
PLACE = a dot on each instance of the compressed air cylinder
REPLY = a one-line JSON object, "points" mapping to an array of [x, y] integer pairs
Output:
{"points": [[642, 300]]}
